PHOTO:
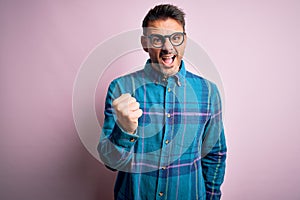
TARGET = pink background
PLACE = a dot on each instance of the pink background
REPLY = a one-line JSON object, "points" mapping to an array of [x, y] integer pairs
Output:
{"points": [[254, 45]]}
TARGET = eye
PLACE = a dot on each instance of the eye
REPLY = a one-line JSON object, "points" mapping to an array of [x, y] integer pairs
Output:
{"points": [[176, 37], [156, 40]]}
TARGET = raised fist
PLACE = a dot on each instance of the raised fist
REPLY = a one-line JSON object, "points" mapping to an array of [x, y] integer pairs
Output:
{"points": [[128, 111]]}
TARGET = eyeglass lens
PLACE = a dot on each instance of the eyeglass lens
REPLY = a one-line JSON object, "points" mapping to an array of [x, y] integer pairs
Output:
{"points": [[176, 39]]}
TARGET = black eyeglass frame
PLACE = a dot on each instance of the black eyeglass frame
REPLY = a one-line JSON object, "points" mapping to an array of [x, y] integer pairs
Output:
{"points": [[163, 38]]}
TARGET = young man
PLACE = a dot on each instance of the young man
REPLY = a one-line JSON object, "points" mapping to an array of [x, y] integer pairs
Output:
{"points": [[163, 126]]}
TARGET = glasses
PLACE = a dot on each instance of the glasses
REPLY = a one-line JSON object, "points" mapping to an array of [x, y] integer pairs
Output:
{"points": [[158, 40]]}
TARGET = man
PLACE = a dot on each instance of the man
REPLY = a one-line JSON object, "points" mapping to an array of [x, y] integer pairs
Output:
{"points": [[163, 126]]}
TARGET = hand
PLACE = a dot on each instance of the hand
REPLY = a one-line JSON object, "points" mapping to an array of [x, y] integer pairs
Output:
{"points": [[128, 111]]}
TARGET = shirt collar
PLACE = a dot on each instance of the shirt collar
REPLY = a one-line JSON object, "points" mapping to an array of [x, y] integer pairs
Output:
{"points": [[158, 77]]}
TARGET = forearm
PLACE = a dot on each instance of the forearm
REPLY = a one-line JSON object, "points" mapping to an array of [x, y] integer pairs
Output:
{"points": [[213, 168], [116, 148]]}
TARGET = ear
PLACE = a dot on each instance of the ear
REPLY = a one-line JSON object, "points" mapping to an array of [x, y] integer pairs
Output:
{"points": [[144, 43]]}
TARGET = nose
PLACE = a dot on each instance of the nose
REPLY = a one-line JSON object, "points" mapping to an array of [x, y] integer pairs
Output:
{"points": [[167, 45]]}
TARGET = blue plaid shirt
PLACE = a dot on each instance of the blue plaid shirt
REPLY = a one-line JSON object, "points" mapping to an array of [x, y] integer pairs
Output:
{"points": [[178, 150]]}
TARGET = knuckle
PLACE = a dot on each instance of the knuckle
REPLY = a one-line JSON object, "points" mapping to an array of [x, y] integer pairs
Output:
{"points": [[133, 105], [131, 100], [137, 104], [140, 112]]}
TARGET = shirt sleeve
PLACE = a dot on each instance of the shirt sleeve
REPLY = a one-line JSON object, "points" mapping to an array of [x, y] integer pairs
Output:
{"points": [[214, 148], [115, 147]]}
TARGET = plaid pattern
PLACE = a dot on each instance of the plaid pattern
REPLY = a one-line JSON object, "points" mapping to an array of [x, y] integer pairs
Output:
{"points": [[179, 150]]}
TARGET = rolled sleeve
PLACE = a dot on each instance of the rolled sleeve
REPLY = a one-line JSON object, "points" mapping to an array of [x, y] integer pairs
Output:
{"points": [[123, 139]]}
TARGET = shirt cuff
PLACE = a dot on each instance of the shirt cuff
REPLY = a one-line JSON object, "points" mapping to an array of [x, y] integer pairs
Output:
{"points": [[122, 138], [213, 195]]}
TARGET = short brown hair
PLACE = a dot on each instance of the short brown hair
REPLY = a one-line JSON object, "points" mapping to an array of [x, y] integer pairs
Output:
{"points": [[164, 11]]}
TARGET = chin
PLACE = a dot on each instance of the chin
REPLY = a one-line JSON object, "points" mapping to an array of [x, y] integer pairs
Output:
{"points": [[169, 70]]}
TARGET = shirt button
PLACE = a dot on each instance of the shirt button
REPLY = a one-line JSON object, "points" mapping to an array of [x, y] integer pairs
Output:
{"points": [[132, 140], [168, 115], [167, 141], [169, 89], [164, 168], [161, 194]]}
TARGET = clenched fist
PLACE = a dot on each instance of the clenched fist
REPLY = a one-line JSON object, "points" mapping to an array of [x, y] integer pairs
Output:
{"points": [[128, 111]]}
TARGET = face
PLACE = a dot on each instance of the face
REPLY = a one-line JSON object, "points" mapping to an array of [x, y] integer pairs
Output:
{"points": [[166, 58]]}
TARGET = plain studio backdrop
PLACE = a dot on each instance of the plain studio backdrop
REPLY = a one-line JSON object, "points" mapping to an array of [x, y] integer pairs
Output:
{"points": [[253, 44]]}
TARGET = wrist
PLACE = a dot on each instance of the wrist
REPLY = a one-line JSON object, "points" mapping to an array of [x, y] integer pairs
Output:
{"points": [[133, 132]]}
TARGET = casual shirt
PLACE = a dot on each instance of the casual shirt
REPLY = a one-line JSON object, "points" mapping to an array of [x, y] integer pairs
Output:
{"points": [[178, 150]]}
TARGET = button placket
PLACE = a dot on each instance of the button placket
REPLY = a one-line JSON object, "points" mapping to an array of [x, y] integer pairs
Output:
{"points": [[168, 106]]}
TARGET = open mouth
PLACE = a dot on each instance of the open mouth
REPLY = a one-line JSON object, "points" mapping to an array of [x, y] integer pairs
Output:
{"points": [[168, 59]]}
